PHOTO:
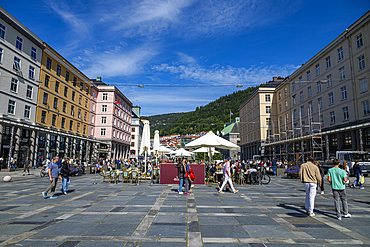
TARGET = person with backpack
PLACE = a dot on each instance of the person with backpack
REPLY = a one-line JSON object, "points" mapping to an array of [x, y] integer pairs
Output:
{"points": [[181, 174], [187, 178], [65, 172]]}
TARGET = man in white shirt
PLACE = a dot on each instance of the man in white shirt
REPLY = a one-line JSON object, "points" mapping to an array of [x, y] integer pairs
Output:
{"points": [[227, 176]]}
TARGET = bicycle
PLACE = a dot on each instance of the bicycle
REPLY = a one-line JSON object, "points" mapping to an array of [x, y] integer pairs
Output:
{"points": [[263, 177]]}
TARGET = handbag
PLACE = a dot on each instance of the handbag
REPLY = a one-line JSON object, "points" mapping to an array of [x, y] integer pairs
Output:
{"points": [[362, 180]]}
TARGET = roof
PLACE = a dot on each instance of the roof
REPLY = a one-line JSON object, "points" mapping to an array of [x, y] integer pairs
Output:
{"points": [[232, 127]]}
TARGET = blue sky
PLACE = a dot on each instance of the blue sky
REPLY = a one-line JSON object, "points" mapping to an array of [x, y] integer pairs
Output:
{"points": [[187, 53]]}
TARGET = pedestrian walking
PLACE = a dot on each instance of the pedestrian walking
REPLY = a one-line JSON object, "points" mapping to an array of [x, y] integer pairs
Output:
{"points": [[322, 177], [53, 176], [227, 177], [26, 166], [65, 172], [310, 177], [337, 179], [180, 174], [274, 165], [358, 174], [345, 167]]}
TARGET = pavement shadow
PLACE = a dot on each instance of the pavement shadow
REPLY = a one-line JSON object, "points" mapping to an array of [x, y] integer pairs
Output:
{"points": [[361, 201], [301, 211]]}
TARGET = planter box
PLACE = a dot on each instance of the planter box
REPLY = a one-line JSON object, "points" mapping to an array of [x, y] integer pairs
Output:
{"points": [[292, 175]]}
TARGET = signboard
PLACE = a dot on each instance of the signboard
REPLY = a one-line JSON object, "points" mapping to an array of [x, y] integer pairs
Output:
{"points": [[169, 174]]}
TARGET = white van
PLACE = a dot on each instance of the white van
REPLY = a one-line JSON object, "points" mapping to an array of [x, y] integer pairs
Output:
{"points": [[351, 156]]}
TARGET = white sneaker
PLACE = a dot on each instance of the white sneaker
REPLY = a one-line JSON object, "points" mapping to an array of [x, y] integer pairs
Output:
{"points": [[322, 192], [181, 193], [347, 215], [339, 218]]}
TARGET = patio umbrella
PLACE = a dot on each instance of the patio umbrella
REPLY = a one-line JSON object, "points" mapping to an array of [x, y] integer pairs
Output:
{"points": [[211, 140], [182, 152], [206, 150], [165, 150], [156, 143], [145, 141]]}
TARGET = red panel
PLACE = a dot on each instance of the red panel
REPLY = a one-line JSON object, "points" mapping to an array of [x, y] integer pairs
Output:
{"points": [[169, 173]]}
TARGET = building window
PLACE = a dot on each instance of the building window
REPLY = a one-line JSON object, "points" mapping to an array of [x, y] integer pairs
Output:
{"points": [[114, 122], [43, 116], [285, 91], [317, 69], [330, 83], [81, 85], [64, 106], [340, 54], [74, 81], [55, 102], [33, 53], [286, 104], [102, 131], [17, 64], [87, 90], [309, 92], [18, 43], [279, 108], [48, 63], [65, 91], [63, 122], [319, 86], [361, 62], [11, 107], [86, 102], [57, 86], [31, 72], [103, 120], [293, 85], [114, 133], [301, 95], [84, 129], [363, 84], [332, 117], [73, 95], [331, 98], [79, 113], [47, 78], [70, 125], [1, 54], [80, 99], [359, 41], [328, 63], [85, 114], [300, 81], [45, 98], [105, 96], [2, 31], [287, 118], [78, 127], [94, 95], [310, 107], [27, 111], [14, 85], [268, 121], [320, 103], [93, 106], [104, 108], [279, 95], [269, 134], [302, 110], [67, 76], [366, 108], [342, 74], [268, 109], [344, 92], [308, 75], [322, 120], [345, 114], [294, 99], [92, 131], [347, 138], [53, 119], [58, 69], [92, 119], [72, 110]]}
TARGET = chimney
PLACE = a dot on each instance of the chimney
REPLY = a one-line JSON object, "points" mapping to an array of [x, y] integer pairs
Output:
{"points": [[274, 78]]}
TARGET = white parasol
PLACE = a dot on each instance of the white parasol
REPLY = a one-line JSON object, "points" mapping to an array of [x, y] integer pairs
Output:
{"points": [[145, 142]]}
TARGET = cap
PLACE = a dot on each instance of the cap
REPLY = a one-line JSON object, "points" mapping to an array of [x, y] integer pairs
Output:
{"points": [[229, 158]]}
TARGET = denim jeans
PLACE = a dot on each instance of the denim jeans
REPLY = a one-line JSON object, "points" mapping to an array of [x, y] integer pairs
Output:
{"points": [[65, 184], [274, 168], [310, 189], [181, 184], [340, 195], [357, 181]]}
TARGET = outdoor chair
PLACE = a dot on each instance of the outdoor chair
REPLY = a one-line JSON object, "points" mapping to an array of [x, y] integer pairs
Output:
{"points": [[209, 178], [125, 176], [148, 176], [134, 176], [105, 176], [113, 176], [241, 177]]}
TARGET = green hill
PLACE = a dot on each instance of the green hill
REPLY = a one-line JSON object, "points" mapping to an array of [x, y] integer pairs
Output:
{"points": [[212, 116]]}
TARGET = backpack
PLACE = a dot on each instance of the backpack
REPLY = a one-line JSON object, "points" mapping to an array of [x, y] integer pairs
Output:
{"points": [[191, 175]]}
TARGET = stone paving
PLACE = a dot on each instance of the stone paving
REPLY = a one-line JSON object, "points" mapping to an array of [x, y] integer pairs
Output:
{"points": [[156, 215]]}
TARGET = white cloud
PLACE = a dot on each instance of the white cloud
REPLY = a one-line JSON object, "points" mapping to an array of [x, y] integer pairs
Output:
{"points": [[116, 62], [225, 75]]}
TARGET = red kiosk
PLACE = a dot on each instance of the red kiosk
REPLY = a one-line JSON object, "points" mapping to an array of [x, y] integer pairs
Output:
{"points": [[168, 173]]}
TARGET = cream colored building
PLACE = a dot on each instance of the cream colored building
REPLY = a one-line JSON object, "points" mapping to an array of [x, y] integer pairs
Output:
{"points": [[329, 100], [258, 117]]}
